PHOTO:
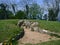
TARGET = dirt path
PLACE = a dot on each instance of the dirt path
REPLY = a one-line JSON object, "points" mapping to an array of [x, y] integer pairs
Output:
{"points": [[33, 37], [0, 43]]}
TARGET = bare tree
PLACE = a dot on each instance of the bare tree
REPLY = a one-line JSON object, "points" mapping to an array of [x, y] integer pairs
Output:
{"points": [[25, 4], [53, 8], [13, 5], [3, 8]]}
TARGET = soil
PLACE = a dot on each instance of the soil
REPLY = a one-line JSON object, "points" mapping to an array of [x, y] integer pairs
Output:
{"points": [[33, 37]]}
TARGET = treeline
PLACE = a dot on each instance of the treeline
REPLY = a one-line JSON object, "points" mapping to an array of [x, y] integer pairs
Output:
{"points": [[31, 10], [7, 14]]}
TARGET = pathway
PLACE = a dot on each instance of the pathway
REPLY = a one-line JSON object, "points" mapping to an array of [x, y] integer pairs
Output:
{"points": [[33, 37]]}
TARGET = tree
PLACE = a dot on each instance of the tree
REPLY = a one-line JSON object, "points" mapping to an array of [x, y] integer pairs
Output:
{"points": [[35, 10], [20, 15], [13, 5], [25, 4], [3, 8], [4, 13], [10, 15], [54, 9], [1, 14], [45, 17], [52, 16]]}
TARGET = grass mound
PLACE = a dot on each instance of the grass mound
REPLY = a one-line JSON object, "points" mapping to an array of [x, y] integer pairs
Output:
{"points": [[8, 29], [53, 26]]}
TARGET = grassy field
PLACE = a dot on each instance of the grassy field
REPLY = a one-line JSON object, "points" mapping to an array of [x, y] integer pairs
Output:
{"points": [[8, 29], [56, 42], [53, 26]]}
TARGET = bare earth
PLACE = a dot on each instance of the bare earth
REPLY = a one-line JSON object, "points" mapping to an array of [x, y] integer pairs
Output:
{"points": [[33, 37]]}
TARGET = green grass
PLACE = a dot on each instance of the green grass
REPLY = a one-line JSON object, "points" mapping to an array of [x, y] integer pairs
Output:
{"points": [[56, 42], [53, 26], [15, 43], [8, 29]]}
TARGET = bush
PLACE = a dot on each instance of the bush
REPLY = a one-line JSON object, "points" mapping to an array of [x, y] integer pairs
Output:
{"points": [[20, 15]]}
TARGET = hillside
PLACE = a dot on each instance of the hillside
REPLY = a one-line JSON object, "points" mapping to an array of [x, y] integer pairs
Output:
{"points": [[53, 26], [8, 30], [34, 37]]}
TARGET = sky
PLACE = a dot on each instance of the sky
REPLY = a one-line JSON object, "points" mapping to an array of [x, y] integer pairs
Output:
{"points": [[16, 1], [40, 2]]}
